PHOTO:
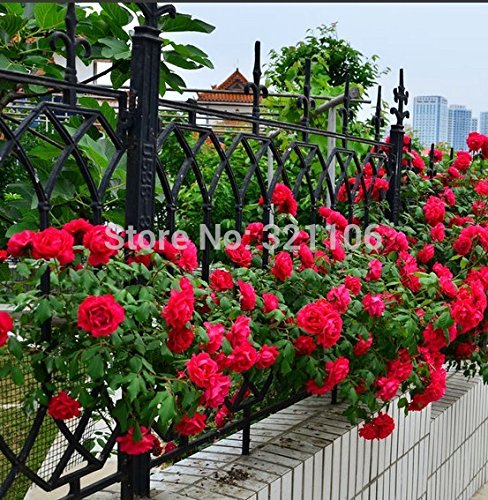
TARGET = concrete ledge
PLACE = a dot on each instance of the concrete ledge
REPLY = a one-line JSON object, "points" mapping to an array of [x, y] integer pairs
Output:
{"points": [[309, 451]]}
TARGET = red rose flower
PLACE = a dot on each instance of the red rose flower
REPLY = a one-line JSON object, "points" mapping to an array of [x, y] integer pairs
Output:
{"points": [[438, 154], [465, 350], [100, 315], [180, 339], [374, 305], [337, 370], [353, 284], [462, 161], [384, 425], [200, 368], [128, 445], [388, 388], [362, 346], [306, 256], [186, 253], [53, 243], [102, 243], [77, 228], [63, 407], [283, 266], [191, 426], [462, 245], [339, 297], [449, 197], [20, 244], [482, 188], [283, 200], [6, 326], [3, 256], [181, 305], [270, 302], [239, 254], [248, 296], [434, 210], [475, 141], [304, 345], [379, 428], [333, 218], [426, 253], [400, 368], [215, 336], [375, 268], [242, 358], [221, 280], [321, 319], [240, 331], [267, 356], [216, 391], [438, 232], [253, 233]]}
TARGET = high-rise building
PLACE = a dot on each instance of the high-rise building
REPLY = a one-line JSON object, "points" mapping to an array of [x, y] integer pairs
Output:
{"points": [[459, 126], [474, 125], [484, 122], [430, 119]]}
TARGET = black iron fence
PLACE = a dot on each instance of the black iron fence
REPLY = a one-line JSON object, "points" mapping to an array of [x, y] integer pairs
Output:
{"points": [[162, 162]]}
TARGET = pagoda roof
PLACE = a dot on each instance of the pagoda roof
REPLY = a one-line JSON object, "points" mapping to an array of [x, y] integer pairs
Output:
{"points": [[234, 82]]}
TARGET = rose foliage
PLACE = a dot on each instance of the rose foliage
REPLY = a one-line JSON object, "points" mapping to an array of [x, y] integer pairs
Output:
{"points": [[138, 334]]}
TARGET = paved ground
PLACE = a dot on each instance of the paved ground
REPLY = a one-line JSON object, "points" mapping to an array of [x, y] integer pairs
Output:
{"points": [[481, 494]]}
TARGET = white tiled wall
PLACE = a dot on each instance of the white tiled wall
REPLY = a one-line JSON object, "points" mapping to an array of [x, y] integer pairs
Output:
{"points": [[310, 452]]}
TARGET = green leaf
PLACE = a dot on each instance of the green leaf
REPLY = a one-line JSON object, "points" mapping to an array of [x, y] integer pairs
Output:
{"points": [[167, 410], [115, 49], [17, 376], [43, 311], [49, 16], [96, 367], [170, 79], [133, 389], [15, 347], [7, 64], [184, 22], [135, 364], [11, 24], [443, 321], [117, 13]]}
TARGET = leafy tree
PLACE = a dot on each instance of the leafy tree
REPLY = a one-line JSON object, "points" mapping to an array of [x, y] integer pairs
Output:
{"points": [[332, 58], [25, 45], [25, 48]]}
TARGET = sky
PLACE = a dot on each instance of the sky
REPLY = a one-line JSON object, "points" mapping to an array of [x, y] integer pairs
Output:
{"points": [[442, 47]]}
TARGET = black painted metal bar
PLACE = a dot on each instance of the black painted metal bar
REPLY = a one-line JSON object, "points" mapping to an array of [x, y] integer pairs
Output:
{"points": [[274, 124], [397, 132]]}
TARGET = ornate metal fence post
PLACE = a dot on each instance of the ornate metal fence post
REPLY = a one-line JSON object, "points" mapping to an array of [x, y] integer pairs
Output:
{"points": [[141, 173], [144, 89], [395, 159]]}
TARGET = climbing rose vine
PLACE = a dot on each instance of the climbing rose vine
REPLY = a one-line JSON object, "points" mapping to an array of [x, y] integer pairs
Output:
{"points": [[136, 333]]}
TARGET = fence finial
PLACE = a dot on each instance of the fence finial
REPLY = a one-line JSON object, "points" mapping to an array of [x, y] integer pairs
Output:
{"points": [[431, 172], [152, 13], [257, 88], [401, 97], [71, 43]]}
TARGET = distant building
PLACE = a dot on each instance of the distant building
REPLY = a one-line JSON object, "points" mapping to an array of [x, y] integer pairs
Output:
{"points": [[474, 125], [229, 95], [484, 123], [430, 119], [459, 126]]}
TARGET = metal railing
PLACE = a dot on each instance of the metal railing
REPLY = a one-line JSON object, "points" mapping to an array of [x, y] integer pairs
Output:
{"points": [[148, 129]]}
